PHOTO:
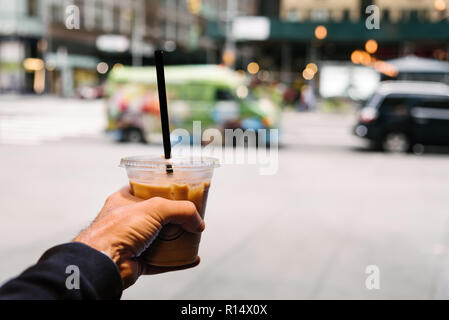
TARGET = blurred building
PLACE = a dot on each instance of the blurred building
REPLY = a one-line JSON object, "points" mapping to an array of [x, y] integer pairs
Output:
{"points": [[406, 10], [325, 32], [73, 43], [59, 46], [20, 30], [419, 26], [396, 11], [324, 10]]}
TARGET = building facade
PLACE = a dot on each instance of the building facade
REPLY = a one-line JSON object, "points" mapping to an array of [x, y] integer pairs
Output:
{"points": [[70, 38], [353, 10], [68, 44], [21, 29], [320, 10]]}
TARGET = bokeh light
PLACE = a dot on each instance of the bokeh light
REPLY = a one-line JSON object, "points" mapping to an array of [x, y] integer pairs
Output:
{"points": [[440, 5], [440, 54], [264, 75], [371, 46], [320, 32], [308, 74], [50, 66], [102, 67], [228, 57], [33, 64], [361, 57], [194, 6], [365, 58], [242, 92], [313, 67], [253, 67], [356, 57]]}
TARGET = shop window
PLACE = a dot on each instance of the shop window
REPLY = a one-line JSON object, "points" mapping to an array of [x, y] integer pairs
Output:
{"points": [[292, 15], [32, 8], [56, 13], [319, 15], [98, 15], [386, 15]]}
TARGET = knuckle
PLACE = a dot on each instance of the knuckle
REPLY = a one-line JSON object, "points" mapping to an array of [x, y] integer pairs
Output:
{"points": [[157, 201]]}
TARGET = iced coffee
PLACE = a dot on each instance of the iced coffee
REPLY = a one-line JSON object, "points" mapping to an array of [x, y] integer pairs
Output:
{"points": [[190, 180]]}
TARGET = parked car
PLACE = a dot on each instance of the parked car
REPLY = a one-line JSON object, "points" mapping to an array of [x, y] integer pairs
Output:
{"points": [[215, 95], [404, 114]]}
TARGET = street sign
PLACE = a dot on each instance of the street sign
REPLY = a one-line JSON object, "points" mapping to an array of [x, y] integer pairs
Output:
{"points": [[112, 43], [251, 28]]}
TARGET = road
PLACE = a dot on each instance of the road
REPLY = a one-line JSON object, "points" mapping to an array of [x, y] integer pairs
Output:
{"points": [[308, 231]]}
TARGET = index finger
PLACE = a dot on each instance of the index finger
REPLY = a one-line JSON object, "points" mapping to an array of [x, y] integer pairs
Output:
{"points": [[181, 212]]}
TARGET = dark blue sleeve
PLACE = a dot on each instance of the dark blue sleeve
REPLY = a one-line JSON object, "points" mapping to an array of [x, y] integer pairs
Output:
{"points": [[50, 277]]}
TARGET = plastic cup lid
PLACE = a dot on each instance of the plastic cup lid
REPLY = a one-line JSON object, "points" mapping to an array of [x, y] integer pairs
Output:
{"points": [[159, 163]]}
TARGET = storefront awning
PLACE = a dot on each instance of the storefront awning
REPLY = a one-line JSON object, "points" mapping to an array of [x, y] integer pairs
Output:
{"points": [[71, 61]]}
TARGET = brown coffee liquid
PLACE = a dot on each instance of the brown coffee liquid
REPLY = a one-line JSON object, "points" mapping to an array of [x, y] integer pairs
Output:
{"points": [[173, 246]]}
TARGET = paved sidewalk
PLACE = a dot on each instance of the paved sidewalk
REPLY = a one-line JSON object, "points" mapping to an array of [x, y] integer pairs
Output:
{"points": [[309, 231]]}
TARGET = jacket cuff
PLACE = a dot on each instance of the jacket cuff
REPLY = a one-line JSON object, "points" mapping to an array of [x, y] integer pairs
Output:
{"points": [[97, 271]]}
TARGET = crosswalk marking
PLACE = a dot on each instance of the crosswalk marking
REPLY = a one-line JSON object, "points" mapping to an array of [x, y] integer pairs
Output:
{"points": [[32, 122]]}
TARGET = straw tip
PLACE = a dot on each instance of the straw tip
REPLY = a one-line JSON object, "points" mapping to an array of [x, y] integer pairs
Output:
{"points": [[169, 169]]}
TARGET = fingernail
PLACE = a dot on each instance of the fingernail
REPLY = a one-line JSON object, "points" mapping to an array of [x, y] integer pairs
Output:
{"points": [[202, 226]]}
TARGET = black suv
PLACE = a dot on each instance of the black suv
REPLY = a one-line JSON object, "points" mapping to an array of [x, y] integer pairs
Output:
{"points": [[402, 115]]}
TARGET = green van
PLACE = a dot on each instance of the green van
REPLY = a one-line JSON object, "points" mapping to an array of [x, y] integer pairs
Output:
{"points": [[212, 94]]}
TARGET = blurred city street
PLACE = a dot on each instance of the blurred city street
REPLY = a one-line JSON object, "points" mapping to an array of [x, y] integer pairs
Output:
{"points": [[309, 231], [358, 90]]}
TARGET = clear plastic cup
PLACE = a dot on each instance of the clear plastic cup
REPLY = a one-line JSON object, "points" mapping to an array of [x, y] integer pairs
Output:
{"points": [[190, 180]]}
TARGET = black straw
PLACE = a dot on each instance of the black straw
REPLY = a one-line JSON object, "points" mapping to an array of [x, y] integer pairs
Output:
{"points": [[163, 106]]}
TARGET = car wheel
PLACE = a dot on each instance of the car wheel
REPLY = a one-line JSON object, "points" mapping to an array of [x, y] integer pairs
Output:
{"points": [[396, 142], [134, 135], [418, 149]]}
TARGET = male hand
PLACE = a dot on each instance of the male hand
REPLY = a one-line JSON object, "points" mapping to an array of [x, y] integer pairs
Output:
{"points": [[127, 225]]}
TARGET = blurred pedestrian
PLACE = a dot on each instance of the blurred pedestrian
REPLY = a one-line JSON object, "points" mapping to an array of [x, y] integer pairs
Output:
{"points": [[308, 99]]}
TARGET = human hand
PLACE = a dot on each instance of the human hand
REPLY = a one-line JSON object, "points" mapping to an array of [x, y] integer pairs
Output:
{"points": [[126, 226]]}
